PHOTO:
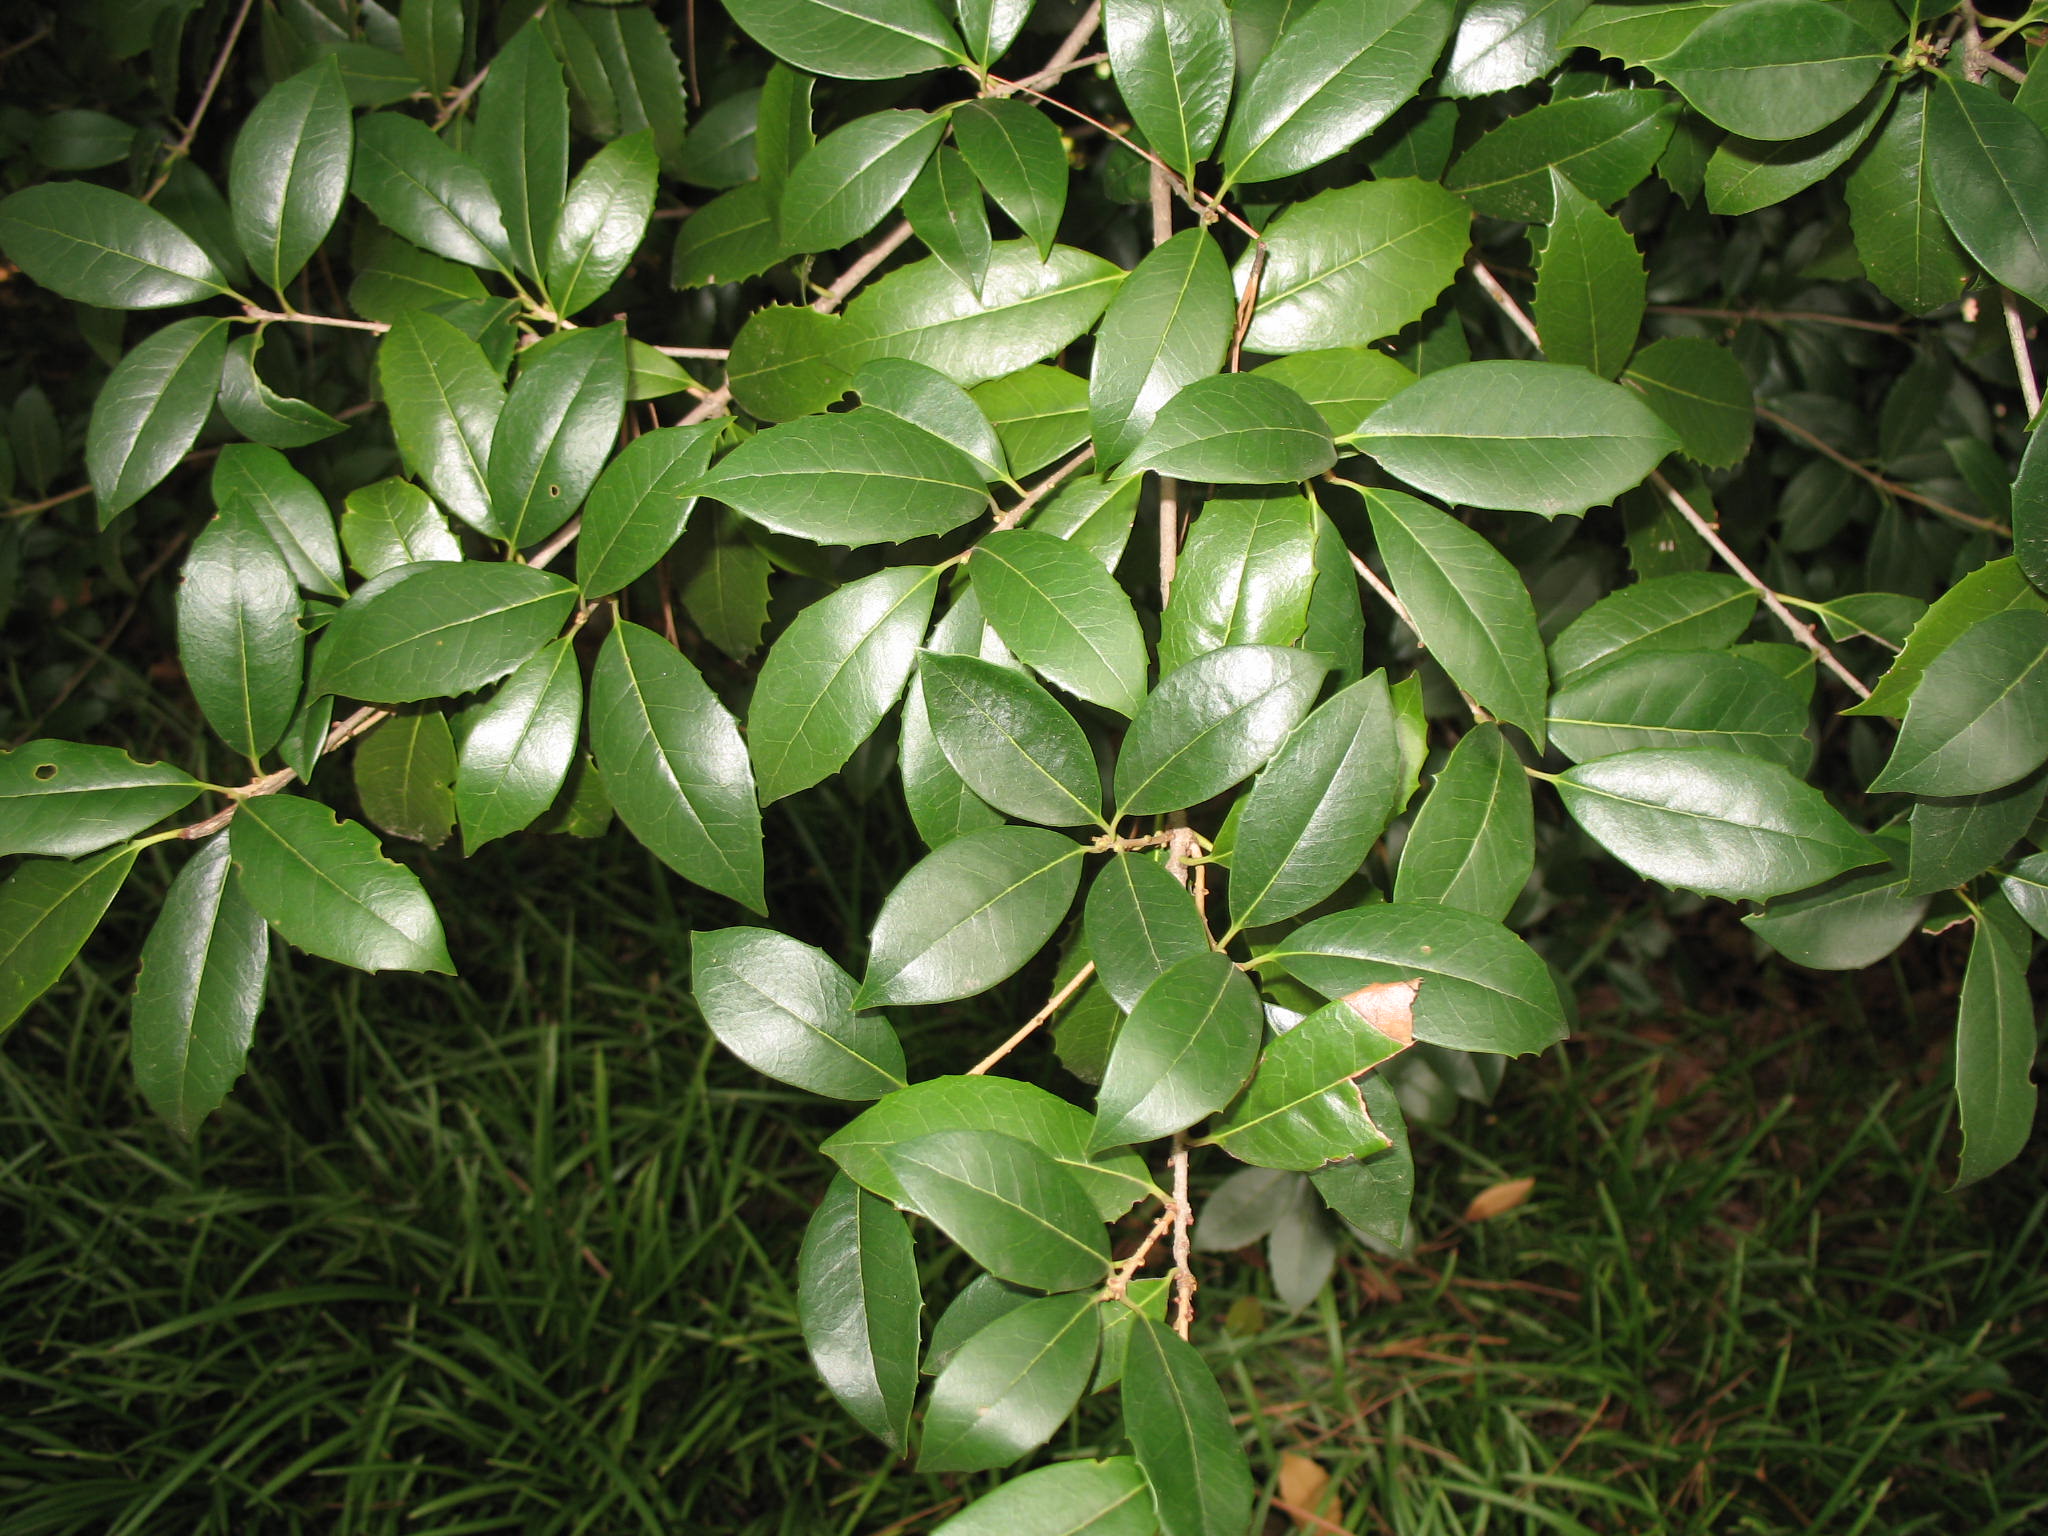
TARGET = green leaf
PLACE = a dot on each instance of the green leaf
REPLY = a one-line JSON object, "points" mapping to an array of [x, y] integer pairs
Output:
{"points": [[1374, 1194], [1173, 62], [149, 412], [238, 632], [1069, 1498], [517, 746], [1141, 922], [1016, 153], [984, 1299], [102, 247], [445, 399], [1505, 43], [1747, 174], [1238, 428], [642, 72], [858, 477], [1979, 718], [1527, 437], [674, 766], [1304, 1109], [522, 143], [1604, 144], [48, 909], [1995, 1045], [1337, 71], [431, 34], [1183, 1053], [1905, 244], [1019, 1214], [258, 412], [1693, 610], [841, 189], [1169, 325], [1092, 513], [1681, 699], [969, 914], [1997, 586], [390, 523], [263, 483], [1989, 164], [1112, 1182], [1355, 264], [990, 26], [639, 506], [1244, 579], [1640, 33], [926, 398], [1344, 384], [945, 210], [1315, 813], [1010, 741], [290, 171], [428, 191], [1473, 843], [2030, 512], [1212, 723], [1589, 284], [1180, 1428], [1010, 1386], [2026, 887], [877, 40], [559, 424], [437, 629], [394, 276], [1467, 603], [1701, 392], [602, 222], [1062, 613], [858, 1302], [200, 990], [1774, 69], [730, 238], [1957, 837], [405, 777], [1712, 822], [787, 1011], [1038, 413], [1848, 924], [833, 674], [325, 885], [67, 799], [78, 140]]}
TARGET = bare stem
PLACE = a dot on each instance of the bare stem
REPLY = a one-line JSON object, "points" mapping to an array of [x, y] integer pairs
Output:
{"points": [[1889, 487], [711, 354], [1247, 305], [294, 317], [1383, 592], [30, 508], [1031, 1025], [1010, 517], [1781, 317], [868, 260], [1506, 303], [460, 99], [2016, 333], [1127, 1268], [270, 783], [220, 67], [1183, 1247]]}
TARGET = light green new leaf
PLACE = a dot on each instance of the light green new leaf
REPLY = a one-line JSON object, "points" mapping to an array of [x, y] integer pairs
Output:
{"points": [[1010, 741], [325, 886], [445, 399], [859, 1304], [1995, 1045], [1702, 393], [1693, 610], [1528, 437], [1905, 244], [48, 909], [1140, 923], [1712, 822], [674, 766], [1016, 153], [238, 632], [1473, 843], [1505, 43], [1589, 284], [1186, 1049], [262, 482], [391, 523], [603, 219], [1212, 723], [201, 987], [1468, 604], [1988, 162], [787, 1011], [969, 914], [1304, 1109], [1060, 612], [517, 746], [1344, 384], [148, 413], [1681, 699], [926, 398], [259, 412], [522, 143], [640, 504], [1997, 586], [1180, 1428], [833, 674], [1245, 576], [428, 191], [1010, 1386], [1236, 428], [1068, 1498], [405, 777], [1173, 61], [1605, 144], [102, 247], [559, 424], [289, 174], [1979, 718], [1019, 1214], [1169, 325], [67, 799], [1774, 69], [876, 40], [437, 629], [841, 189]]}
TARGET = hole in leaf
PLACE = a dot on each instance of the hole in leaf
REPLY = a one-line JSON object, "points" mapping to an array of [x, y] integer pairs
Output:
{"points": [[554, 490], [46, 771]]}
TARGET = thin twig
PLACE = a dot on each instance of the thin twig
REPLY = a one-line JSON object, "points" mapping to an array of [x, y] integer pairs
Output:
{"points": [[30, 508], [294, 317], [1011, 516], [2016, 333], [220, 65], [560, 540], [868, 260], [1505, 301], [1127, 1268], [1183, 1247], [455, 103], [1383, 592], [270, 783], [1066, 56], [1780, 317], [1031, 1025], [26, 43], [1247, 305], [712, 354], [1889, 487], [717, 403]]}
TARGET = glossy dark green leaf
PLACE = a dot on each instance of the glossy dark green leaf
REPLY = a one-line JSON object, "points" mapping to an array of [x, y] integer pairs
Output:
{"points": [[258, 412], [1374, 1194], [1039, 413], [969, 914], [1245, 576], [1141, 923], [1019, 1214], [859, 1304], [1355, 264], [394, 275], [674, 765], [1473, 843], [437, 629], [859, 477], [1979, 718], [1905, 244], [926, 398], [1849, 923], [522, 143], [990, 26], [445, 399], [602, 222], [981, 1302], [102, 247], [1316, 811], [1713, 822], [1694, 610], [325, 886], [517, 746], [262, 482], [1180, 1428], [390, 523], [1681, 699], [1988, 162], [1092, 513], [1641, 33], [1183, 1053], [68, 799], [149, 412], [239, 640], [1063, 614], [787, 1011], [48, 909], [1344, 384], [290, 172], [643, 72], [1774, 69], [833, 674], [1744, 175], [1529, 437], [945, 210], [2026, 887], [560, 421], [1169, 325], [1010, 1386], [428, 191], [874, 41], [1069, 1498], [1303, 1109], [405, 777], [431, 33], [1236, 428], [732, 237], [639, 506], [1995, 1044], [1173, 62], [1701, 392], [1336, 72], [1015, 152], [1215, 721], [1998, 586], [75, 139], [841, 189], [1505, 43], [1467, 603], [1589, 284], [1010, 741], [1957, 837], [1605, 144]]}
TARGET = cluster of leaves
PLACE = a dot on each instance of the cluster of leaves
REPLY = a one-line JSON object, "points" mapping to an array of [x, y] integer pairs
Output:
{"points": [[1165, 709]]}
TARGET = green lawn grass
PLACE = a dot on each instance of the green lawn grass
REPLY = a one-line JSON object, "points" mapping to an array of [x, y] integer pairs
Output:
{"points": [[515, 1253]]}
